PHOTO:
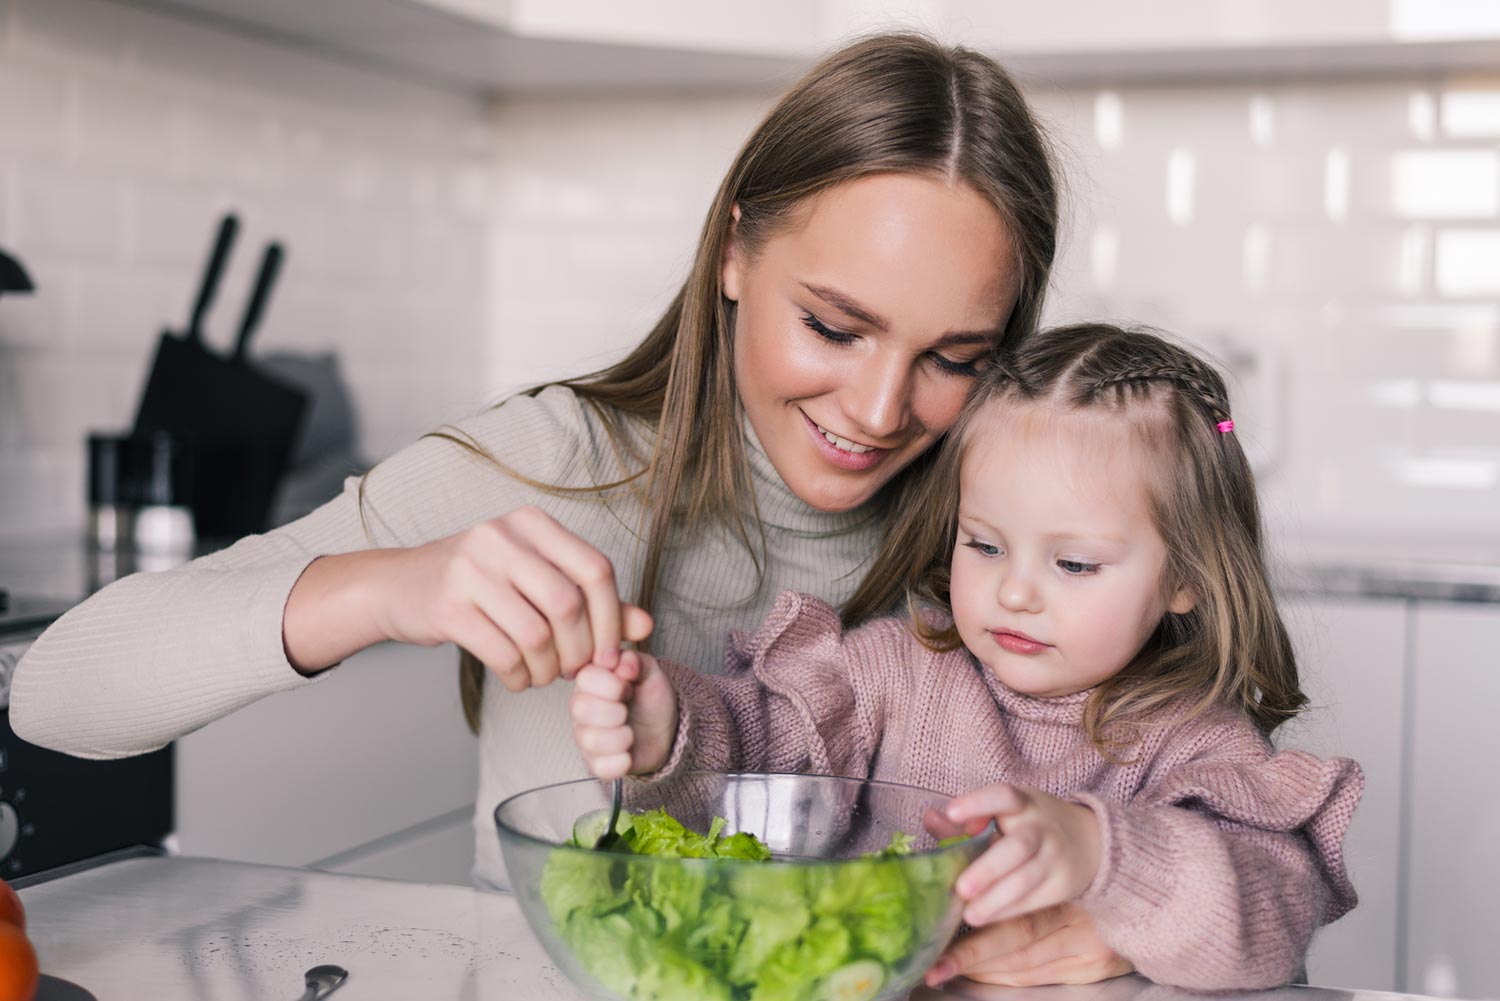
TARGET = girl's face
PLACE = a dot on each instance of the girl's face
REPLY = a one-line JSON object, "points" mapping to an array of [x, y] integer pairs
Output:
{"points": [[859, 325], [1058, 566]]}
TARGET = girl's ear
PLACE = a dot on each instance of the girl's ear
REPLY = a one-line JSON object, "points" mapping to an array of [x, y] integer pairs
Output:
{"points": [[731, 274], [1182, 602]]}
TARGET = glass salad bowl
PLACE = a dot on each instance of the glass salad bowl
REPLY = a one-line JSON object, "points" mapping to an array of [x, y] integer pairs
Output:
{"points": [[847, 895]]}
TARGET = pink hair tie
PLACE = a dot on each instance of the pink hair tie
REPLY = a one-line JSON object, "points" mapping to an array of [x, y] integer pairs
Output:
{"points": [[1225, 426]]}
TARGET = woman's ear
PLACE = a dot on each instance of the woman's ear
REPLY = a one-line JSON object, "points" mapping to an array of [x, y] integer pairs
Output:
{"points": [[731, 275]]}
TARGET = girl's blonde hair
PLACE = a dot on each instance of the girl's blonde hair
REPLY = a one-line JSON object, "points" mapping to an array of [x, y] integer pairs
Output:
{"points": [[1232, 648], [890, 103]]}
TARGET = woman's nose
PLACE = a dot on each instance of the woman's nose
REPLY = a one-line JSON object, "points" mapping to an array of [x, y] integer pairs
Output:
{"points": [[878, 398]]}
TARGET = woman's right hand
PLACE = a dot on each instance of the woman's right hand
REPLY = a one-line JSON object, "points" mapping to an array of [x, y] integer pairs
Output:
{"points": [[625, 719], [520, 592]]}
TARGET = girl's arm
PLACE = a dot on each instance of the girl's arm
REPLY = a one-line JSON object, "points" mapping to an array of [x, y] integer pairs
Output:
{"points": [[1217, 874], [801, 696]]}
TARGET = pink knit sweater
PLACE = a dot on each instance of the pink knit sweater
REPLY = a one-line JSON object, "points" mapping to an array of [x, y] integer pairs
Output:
{"points": [[1220, 856]]}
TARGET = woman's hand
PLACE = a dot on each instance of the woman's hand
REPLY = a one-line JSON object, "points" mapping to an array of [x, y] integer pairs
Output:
{"points": [[1055, 945], [624, 720], [527, 597], [1047, 853]]}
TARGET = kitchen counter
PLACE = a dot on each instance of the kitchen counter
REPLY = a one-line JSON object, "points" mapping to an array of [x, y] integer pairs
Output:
{"points": [[162, 928]]}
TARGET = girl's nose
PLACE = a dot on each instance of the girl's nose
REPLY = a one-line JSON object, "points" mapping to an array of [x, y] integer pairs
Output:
{"points": [[1018, 592], [878, 397]]}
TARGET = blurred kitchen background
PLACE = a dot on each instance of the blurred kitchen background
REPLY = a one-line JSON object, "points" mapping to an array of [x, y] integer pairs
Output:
{"points": [[475, 195]]}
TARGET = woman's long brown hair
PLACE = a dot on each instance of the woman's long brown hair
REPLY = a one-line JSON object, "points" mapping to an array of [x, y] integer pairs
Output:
{"points": [[1232, 648], [890, 103]]}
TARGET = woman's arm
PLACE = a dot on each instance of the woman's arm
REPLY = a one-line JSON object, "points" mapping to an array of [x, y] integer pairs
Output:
{"points": [[155, 656], [526, 596]]}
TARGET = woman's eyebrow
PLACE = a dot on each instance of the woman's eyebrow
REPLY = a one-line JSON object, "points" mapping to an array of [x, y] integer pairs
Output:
{"points": [[845, 304]]}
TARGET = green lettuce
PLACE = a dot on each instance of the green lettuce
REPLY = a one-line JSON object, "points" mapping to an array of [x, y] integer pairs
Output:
{"points": [[739, 932]]}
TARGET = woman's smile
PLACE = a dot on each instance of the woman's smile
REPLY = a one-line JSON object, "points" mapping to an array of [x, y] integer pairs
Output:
{"points": [[842, 452]]}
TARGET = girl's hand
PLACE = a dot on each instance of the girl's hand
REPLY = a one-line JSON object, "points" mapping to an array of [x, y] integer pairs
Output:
{"points": [[1047, 854], [527, 597], [1056, 945], [624, 720]]}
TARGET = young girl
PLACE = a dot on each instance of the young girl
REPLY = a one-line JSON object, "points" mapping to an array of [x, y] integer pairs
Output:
{"points": [[1104, 674]]}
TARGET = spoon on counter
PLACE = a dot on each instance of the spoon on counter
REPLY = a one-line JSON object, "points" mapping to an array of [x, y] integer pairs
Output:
{"points": [[323, 981]]}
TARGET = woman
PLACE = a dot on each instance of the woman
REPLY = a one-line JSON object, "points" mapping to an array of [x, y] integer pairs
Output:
{"points": [[890, 222]]}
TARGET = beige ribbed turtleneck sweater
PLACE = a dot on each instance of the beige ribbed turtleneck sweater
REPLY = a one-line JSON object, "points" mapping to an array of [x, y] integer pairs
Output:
{"points": [[155, 656]]}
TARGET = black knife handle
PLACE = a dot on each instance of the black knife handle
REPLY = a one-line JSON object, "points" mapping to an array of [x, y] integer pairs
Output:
{"points": [[228, 227], [270, 267]]}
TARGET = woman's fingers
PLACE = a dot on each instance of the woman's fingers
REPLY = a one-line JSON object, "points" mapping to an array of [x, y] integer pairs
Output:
{"points": [[637, 623], [1054, 945], [588, 604], [1014, 944], [474, 632]]}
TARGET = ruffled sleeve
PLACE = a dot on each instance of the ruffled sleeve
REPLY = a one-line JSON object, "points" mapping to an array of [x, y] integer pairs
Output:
{"points": [[1216, 874], [798, 695]]}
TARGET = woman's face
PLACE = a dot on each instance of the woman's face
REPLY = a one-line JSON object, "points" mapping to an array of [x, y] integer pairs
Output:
{"points": [[858, 327]]}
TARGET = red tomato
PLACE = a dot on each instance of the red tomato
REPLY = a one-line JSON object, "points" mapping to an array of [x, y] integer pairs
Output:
{"points": [[18, 969], [11, 911]]}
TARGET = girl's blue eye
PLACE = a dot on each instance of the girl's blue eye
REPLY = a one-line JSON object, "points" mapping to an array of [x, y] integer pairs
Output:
{"points": [[1078, 568], [827, 333], [984, 548]]}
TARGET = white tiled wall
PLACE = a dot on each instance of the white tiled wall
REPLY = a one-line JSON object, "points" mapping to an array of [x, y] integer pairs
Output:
{"points": [[1334, 244], [125, 134], [1337, 243]]}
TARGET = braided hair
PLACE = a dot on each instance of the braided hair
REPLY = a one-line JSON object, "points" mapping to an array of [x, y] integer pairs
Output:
{"points": [[1232, 648]]}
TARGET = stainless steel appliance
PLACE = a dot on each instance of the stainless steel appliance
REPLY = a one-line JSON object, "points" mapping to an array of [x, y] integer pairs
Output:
{"points": [[56, 809]]}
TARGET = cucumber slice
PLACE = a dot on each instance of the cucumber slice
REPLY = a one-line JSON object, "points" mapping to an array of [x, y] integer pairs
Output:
{"points": [[587, 828], [860, 980]]}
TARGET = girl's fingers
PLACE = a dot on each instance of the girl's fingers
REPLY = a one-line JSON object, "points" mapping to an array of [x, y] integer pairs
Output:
{"points": [[997, 862], [587, 710], [602, 684], [611, 766], [1006, 896], [599, 742], [939, 826], [629, 667], [991, 801]]}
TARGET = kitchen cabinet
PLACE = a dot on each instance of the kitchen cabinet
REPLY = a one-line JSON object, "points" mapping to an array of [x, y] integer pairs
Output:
{"points": [[1352, 658], [516, 46], [377, 748], [1453, 880]]}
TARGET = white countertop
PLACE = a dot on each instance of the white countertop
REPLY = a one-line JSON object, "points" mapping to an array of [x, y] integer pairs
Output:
{"points": [[157, 929]]}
